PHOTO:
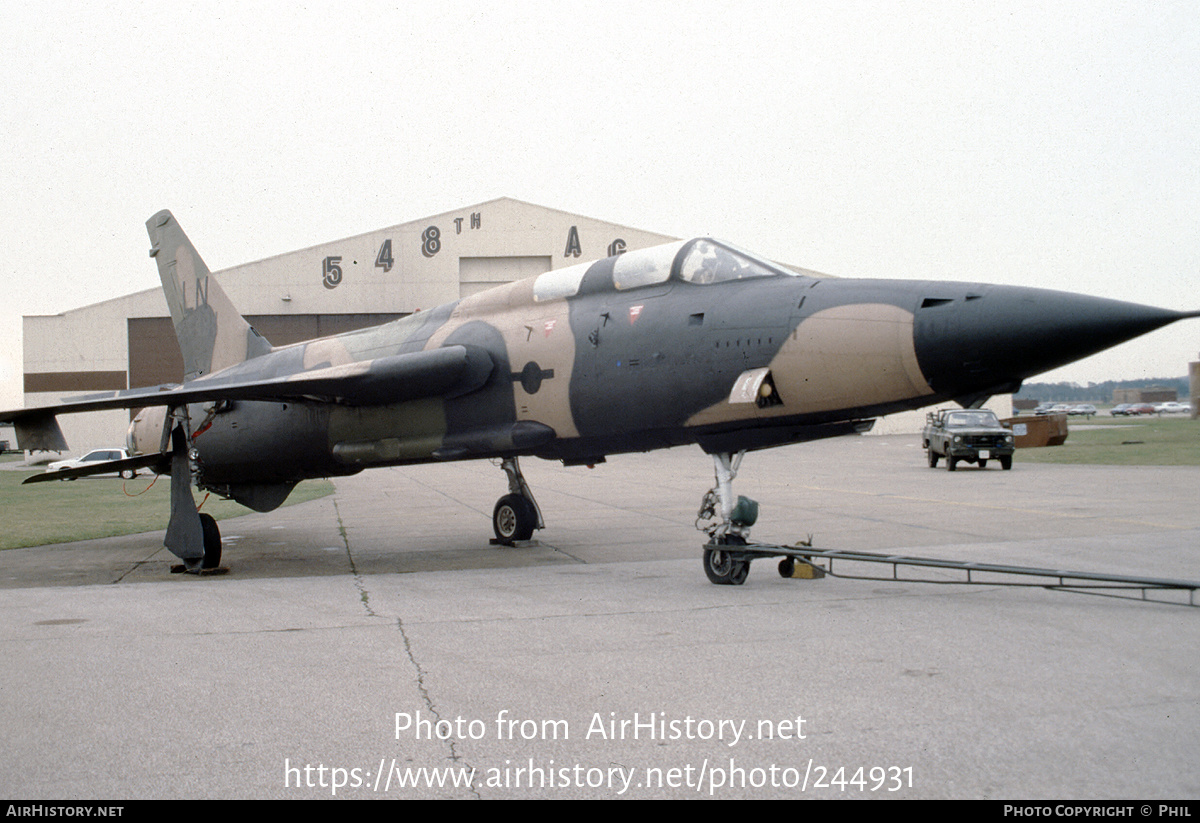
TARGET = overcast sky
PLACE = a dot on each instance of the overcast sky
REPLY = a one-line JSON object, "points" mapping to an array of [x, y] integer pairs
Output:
{"points": [[1033, 144]]}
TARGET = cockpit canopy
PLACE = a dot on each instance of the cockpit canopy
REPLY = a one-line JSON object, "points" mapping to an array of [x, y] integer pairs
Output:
{"points": [[701, 262]]}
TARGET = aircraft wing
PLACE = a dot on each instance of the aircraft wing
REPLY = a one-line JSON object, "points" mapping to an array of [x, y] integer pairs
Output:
{"points": [[448, 371]]}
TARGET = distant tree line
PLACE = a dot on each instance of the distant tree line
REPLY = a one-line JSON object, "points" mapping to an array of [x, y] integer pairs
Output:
{"points": [[1095, 392]]}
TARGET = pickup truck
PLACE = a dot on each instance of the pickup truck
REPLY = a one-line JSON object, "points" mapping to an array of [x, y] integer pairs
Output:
{"points": [[967, 435]]}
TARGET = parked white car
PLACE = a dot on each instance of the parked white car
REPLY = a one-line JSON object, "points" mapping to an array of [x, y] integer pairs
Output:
{"points": [[1172, 407], [92, 457]]}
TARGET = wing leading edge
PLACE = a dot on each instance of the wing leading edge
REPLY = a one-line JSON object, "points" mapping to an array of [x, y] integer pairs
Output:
{"points": [[449, 371]]}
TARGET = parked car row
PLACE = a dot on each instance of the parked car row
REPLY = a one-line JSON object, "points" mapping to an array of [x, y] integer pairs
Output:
{"points": [[1085, 409], [1135, 409], [1120, 410]]}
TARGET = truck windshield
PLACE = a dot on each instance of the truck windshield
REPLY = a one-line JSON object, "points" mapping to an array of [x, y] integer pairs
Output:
{"points": [[971, 418]]}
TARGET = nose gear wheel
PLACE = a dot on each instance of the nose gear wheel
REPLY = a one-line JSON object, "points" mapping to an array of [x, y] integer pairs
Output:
{"points": [[723, 566]]}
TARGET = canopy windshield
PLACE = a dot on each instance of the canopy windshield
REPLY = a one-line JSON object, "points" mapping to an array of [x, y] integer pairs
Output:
{"points": [[707, 261], [701, 261]]}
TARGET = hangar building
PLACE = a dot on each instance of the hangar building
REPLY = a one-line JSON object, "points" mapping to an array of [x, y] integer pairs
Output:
{"points": [[334, 287]]}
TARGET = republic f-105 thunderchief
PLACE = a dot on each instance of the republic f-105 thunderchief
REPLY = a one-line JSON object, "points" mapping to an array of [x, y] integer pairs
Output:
{"points": [[690, 342]]}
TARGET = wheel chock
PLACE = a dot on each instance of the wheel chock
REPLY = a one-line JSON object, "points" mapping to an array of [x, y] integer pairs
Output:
{"points": [[800, 569]]}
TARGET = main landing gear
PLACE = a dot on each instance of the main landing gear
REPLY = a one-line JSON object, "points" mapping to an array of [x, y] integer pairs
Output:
{"points": [[210, 562], [516, 515], [191, 536], [212, 542], [723, 563]]}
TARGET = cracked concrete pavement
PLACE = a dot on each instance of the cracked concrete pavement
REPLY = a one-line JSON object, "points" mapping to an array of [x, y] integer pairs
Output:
{"points": [[600, 662]]}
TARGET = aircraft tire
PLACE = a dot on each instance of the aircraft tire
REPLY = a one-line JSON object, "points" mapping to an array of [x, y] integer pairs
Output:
{"points": [[740, 572], [513, 519], [787, 566], [212, 542], [723, 570]]}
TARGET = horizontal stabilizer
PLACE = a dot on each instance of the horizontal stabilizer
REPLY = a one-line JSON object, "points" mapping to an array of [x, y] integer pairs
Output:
{"points": [[38, 431], [158, 462]]}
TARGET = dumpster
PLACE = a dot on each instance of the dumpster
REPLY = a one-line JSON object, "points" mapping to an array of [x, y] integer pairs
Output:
{"points": [[1038, 430]]}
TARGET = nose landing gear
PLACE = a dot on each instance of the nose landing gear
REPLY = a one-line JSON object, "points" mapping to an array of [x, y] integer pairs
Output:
{"points": [[723, 563]]}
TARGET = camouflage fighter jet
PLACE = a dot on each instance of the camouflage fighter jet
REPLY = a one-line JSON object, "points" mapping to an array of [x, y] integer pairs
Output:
{"points": [[690, 342]]}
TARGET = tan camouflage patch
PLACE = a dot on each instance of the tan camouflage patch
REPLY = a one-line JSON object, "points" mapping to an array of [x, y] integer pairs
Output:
{"points": [[537, 333], [545, 341], [329, 351], [840, 358]]}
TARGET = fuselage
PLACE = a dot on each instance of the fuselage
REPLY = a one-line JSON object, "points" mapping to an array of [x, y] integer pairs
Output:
{"points": [[694, 342]]}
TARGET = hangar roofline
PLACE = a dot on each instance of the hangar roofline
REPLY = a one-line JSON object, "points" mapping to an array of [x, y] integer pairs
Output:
{"points": [[396, 226], [439, 215], [156, 289]]}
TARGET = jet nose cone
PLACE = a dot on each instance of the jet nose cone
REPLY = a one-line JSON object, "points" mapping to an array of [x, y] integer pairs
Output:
{"points": [[972, 339]]}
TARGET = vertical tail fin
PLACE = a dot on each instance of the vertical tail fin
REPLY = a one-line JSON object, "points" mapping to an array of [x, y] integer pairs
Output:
{"points": [[212, 335]]}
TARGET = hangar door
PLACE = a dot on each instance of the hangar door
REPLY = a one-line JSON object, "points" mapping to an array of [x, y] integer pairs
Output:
{"points": [[478, 273]]}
